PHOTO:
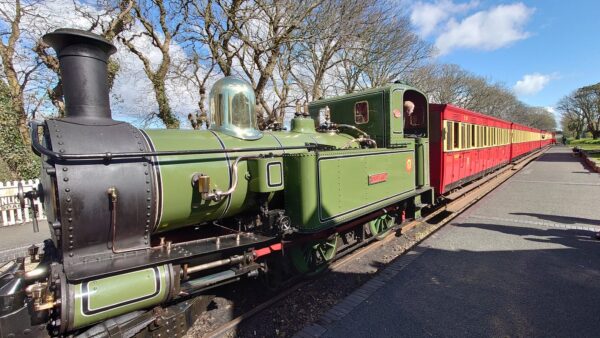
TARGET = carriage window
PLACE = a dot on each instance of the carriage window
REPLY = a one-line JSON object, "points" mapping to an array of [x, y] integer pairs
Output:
{"points": [[473, 136], [485, 140], [463, 134], [468, 138], [495, 136], [361, 112], [449, 135], [456, 135]]}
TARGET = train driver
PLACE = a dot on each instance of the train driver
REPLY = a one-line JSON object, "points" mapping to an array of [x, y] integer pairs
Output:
{"points": [[409, 109]]}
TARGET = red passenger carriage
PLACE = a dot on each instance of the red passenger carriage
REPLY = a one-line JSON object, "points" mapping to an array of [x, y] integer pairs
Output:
{"points": [[466, 145]]}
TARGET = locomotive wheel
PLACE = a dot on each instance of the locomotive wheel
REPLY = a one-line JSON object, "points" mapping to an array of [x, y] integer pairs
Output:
{"points": [[314, 257], [380, 227]]}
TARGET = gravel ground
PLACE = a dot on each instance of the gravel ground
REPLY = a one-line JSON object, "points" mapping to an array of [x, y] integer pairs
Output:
{"points": [[306, 304]]}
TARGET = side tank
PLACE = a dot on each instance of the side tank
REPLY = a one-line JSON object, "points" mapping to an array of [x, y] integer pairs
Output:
{"points": [[180, 202]]}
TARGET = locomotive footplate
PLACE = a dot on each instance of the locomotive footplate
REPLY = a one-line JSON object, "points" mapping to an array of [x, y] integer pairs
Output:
{"points": [[199, 251]]}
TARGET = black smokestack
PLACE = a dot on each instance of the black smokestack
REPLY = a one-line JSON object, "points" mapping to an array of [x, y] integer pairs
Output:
{"points": [[83, 60]]}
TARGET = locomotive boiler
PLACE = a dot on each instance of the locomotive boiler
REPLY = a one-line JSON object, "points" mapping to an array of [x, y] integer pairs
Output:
{"points": [[141, 219]]}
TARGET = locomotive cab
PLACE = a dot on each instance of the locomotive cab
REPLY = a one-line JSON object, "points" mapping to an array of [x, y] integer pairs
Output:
{"points": [[383, 114], [415, 115]]}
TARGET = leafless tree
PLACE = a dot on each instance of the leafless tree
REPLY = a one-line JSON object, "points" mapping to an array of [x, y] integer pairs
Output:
{"points": [[581, 111], [333, 27], [161, 22], [269, 27], [212, 25], [110, 20], [17, 68], [201, 72]]}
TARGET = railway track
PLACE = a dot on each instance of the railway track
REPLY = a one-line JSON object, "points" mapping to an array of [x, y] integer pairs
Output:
{"points": [[435, 218]]}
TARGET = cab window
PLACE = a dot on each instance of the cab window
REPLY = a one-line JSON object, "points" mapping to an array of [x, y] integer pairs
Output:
{"points": [[361, 112]]}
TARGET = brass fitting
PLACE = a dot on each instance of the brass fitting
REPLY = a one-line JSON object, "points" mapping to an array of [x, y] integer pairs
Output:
{"points": [[112, 192]]}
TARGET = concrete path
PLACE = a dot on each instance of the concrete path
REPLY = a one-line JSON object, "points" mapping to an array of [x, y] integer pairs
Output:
{"points": [[15, 239], [521, 262]]}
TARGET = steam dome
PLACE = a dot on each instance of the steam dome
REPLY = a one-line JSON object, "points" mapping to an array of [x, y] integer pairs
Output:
{"points": [[232, 111]]}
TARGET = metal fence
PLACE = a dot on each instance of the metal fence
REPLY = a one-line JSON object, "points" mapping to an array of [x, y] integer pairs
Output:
{"points": [[10, 208]]}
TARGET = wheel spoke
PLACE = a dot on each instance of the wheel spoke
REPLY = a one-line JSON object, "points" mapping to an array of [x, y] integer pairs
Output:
{"points": [[322, 253]]}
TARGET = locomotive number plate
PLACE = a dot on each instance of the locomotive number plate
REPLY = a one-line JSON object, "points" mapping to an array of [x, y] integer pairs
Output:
{"points": [[378, 178]]}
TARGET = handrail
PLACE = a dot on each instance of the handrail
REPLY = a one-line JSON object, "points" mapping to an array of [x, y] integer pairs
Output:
{"points": [[40, 149]]}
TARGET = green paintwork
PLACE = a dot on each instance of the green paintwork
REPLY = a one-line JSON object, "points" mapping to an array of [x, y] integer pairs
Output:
{"points": [[303, 125], [122, 289], [386, 121], [266, 174], [383, 126], [381, 226], [181, 203], [314, 256], [333, 187], [422, 161]]}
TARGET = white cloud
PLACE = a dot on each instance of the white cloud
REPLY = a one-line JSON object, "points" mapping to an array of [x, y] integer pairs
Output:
{"points": [[531, 84], [486, 30], [426, 17]]}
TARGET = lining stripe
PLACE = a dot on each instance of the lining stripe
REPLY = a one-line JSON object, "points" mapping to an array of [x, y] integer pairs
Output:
{"points": [[279, 142], [85, 299], [229, 170], [157, 182]]}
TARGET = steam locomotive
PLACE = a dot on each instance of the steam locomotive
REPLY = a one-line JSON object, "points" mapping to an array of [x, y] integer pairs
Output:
{"points": [[143, 220]]}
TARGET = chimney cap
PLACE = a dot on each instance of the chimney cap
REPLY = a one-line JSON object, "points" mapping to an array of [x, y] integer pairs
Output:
{"points": [[63, 37]]}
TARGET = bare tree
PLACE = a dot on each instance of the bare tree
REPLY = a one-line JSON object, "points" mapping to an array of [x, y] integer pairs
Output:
{"points": [[16, 73], [198, 79], [541, 118], [267, 29], [384, 51], [587, 99], [109, 21], [161, 22], [572, 119], [212, 24], [581, 111], [333, 27]]}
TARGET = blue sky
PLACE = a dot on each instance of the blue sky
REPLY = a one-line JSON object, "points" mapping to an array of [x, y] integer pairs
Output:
{"points": [[543, 50]]}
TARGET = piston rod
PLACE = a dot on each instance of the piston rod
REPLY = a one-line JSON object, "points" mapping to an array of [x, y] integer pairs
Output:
{"points": [[228, 261]]}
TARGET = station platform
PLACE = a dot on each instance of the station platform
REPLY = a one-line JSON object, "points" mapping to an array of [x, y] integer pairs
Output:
{"points": [[523, 261]]}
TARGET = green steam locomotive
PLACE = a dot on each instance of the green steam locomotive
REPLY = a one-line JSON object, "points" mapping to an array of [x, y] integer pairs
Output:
{"points": [[143, 220]]}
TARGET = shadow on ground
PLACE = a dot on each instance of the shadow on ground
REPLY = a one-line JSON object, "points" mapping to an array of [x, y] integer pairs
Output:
{"points": [[561, 219], [552, 292]]}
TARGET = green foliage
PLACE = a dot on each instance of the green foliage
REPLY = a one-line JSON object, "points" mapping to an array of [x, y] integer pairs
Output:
{"points": [[17, 161], [573, 141]]}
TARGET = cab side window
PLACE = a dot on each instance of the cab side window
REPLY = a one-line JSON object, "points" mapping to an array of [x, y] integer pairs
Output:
{"points": [[361, 112]]}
